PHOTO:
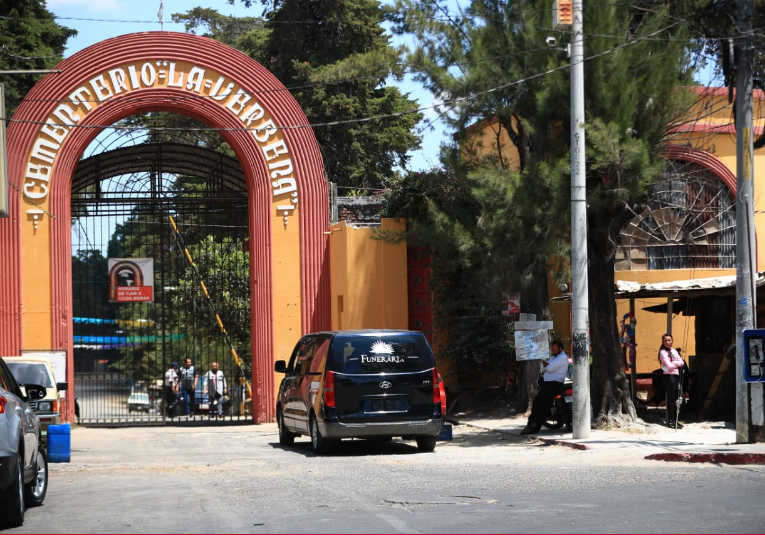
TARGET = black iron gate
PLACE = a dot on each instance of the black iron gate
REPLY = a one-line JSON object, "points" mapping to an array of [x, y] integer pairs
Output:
{"points": [[121, 203]]}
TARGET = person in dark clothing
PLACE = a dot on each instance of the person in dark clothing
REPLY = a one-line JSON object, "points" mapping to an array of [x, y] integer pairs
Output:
{"points": [[556, 370]]}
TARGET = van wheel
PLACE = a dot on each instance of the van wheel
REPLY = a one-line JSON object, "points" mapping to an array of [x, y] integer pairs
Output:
{"points": [[319, 444], [285, 437], [12, 500], [426, 443], [34, 492]]}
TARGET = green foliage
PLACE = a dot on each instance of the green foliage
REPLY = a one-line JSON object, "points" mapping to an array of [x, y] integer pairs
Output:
{"points": [[442, 215], [30, 39], [224, 267], [336, 66]]}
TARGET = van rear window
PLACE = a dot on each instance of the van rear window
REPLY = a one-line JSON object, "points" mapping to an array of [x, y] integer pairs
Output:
{"points": [[385, 354]]}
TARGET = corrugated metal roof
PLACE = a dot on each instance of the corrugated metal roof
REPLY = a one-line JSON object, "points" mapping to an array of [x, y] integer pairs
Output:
{"points": [[709, 285]]}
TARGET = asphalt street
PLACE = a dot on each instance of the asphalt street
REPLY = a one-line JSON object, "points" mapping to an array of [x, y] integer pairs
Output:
{"points": [[238, 479]]}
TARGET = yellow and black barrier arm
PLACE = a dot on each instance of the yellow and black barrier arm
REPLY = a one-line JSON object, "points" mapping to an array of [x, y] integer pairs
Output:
{"points": [[190, 261]]}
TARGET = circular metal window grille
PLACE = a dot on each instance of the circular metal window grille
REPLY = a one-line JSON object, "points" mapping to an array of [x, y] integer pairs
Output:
{"points": [[689, 222]]}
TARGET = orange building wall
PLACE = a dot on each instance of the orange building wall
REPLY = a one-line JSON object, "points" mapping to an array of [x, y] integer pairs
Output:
{"points": [[368, 278]]}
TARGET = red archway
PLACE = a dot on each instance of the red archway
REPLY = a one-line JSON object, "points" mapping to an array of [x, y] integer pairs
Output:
{"points": [[94, 66]]}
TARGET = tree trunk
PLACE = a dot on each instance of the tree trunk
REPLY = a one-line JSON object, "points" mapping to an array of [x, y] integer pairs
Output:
{"points": [[534, 298], [609, 385]]}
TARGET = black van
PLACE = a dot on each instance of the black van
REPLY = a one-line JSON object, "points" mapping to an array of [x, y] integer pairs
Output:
{"points": [[360, 384]]}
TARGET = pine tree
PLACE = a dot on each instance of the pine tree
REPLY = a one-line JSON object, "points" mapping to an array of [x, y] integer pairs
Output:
{"points": [[335, 58], [30, 39]]}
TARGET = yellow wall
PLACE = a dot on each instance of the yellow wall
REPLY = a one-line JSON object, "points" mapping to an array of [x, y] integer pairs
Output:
{"points": [[368, 278], [489, 138]]}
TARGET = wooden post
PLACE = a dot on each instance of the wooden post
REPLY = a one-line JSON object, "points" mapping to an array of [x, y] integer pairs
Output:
{"points": [[633, 363]]}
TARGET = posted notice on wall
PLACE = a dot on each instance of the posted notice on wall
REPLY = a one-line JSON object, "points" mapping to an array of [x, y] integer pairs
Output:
{"points": [[532, 345], [131, 280]]}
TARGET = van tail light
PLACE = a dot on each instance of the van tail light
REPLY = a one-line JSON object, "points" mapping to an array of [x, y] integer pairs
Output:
{"points": [[569, 392], [436, 388], [3, 401], [329, 389]]}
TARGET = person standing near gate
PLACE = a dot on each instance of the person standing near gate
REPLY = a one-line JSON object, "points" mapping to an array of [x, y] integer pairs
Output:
{"points": [[188, 378], [171, 389], [215, 384]]}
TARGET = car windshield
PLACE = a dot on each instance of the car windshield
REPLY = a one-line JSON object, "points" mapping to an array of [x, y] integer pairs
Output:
{"points": [[383, 354], [139, 398], [30, 373]]}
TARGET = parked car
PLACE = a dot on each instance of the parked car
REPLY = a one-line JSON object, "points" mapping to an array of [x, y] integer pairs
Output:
{"points": [[375, 384], [23, 461], [38, 371], [138, 401]]}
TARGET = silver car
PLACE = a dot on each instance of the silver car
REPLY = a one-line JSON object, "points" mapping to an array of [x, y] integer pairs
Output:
{"points": [[23, 461]]}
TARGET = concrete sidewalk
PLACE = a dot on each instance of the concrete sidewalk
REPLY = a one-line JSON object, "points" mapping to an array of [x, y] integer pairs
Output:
{"points": [[697, 442]]}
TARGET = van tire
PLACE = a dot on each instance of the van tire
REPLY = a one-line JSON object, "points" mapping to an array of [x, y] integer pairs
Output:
{"points": [[426, 443], [319, 444], [285, 437]]}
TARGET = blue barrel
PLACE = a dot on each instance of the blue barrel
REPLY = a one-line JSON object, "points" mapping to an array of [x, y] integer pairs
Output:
{"points": [[59, 443]]}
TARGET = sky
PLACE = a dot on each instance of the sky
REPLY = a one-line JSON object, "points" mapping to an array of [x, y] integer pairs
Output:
{"points": [[96, 20]]}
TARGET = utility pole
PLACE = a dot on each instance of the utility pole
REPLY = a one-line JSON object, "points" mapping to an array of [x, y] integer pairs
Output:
{"points": [[746, 298], [579, 293]]}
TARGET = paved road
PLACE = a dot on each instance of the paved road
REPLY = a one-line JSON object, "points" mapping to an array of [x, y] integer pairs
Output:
{"points": [[237, 479]]}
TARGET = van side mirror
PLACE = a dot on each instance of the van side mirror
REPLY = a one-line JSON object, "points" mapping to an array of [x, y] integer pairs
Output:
{"points": [[62, 386], [280, 366], [35, 391]]}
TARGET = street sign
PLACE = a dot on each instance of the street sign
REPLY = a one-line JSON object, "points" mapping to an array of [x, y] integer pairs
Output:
{"points": [[754, 357]]}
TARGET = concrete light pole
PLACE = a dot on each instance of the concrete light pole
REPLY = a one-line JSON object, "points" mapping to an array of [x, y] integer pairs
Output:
{"points": [[746, 297], [579, 292]]}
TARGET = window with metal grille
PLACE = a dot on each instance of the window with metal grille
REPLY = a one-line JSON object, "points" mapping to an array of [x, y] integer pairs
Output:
{"points": [[688, 223]]}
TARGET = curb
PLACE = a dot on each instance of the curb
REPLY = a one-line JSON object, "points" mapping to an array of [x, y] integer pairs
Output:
{"points": [[727, 458]]}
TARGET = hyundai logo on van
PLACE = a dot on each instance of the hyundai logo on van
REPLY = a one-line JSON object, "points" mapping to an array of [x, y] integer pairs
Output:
{"points": [[386, 384]]}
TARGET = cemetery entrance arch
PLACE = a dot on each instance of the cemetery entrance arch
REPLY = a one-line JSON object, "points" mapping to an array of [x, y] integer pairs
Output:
{"points": [[215, 85]]}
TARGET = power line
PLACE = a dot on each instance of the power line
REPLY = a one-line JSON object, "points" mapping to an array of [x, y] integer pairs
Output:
{"points": [[435, 107]]}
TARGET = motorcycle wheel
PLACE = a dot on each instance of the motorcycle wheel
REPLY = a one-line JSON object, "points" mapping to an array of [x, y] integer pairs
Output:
{"points": [[556, 419]]}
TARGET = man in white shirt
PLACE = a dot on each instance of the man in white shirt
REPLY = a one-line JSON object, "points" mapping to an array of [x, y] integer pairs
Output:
{"points": [[556, 370], [215, 384], [171, 388]]}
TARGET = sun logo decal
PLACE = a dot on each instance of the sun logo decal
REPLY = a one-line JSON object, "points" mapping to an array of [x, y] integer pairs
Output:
{"points": [[381, 347]]}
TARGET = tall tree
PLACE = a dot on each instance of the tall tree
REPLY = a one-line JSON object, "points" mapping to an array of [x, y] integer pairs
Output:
{"points": [[336, 58], [30, 39], [489, 61]]}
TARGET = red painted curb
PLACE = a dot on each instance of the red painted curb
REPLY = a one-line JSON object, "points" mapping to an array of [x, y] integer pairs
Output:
{"points": [[727, 458]]}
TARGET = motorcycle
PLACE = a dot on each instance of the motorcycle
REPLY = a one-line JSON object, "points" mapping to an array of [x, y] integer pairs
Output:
{"points": [[561, 410]]}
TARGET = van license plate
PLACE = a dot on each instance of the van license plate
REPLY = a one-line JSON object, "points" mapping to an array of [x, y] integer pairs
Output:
{"points": [[204, 406], [385, 405]]}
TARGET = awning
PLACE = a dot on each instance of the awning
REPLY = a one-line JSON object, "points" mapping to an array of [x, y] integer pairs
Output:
{"points": [[710, 286]]}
